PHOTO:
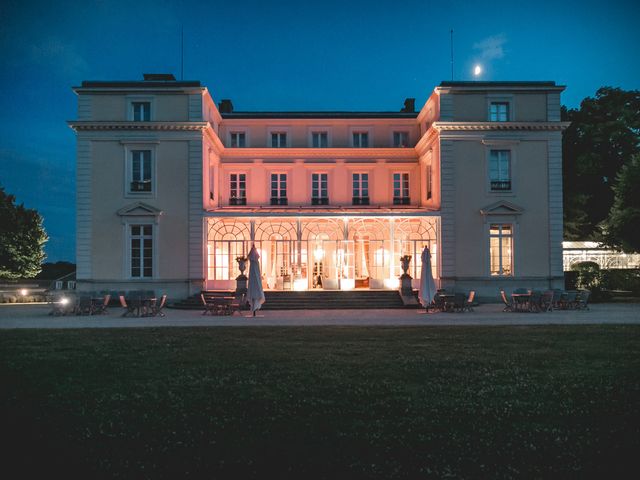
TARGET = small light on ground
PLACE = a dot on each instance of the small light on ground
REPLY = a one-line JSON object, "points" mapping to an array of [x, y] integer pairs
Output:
{"points": [[24, 292], [477, 70]]}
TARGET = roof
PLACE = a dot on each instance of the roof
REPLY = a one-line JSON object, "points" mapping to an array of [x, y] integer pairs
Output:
{"points": [[138, 84], [322, 114], [497, 84], [507, 86]]}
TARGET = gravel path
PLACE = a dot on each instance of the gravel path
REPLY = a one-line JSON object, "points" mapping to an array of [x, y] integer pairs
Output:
{"points": [[36, 316]]}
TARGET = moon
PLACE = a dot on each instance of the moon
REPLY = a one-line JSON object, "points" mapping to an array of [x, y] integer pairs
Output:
{"points": [[477, 70]]}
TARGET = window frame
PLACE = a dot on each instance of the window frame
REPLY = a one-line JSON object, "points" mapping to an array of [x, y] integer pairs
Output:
{"points": [[129, 148], [319, 131], [429, 181], [499, 225], [278, 131], [238, 200], [406, 133], [360, 199], [133, 99], [509, 179], [360, 135], [319, 199], [233, 133], [142, 237], [501, 98], [401, 199], [279, 199]]}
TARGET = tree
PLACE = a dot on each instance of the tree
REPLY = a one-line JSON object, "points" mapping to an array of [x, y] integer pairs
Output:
{"points": [[602, 137], [622, 227], [22, 239]]}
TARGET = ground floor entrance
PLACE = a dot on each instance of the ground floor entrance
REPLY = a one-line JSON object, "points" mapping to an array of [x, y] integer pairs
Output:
{"points": [[330, 253]]}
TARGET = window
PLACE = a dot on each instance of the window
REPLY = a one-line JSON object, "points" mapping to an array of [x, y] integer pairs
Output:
{"points": [[141, 111], [141, 174], [499, 111], [319, 139], [237, 189], [500, 170], [238, 140], [278, 189], [400, 139], [501, 249], [319, 193], [361, 189], [278, 139], [401, 189], [141, 237], [429, 182], [361, 139]]}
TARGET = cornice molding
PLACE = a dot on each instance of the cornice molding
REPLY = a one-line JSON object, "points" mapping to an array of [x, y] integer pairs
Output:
{"points": [[138, 126], [485, 126], [408, 154], [425, 142]]}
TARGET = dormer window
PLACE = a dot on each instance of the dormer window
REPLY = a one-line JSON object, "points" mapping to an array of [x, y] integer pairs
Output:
{"points": [[141, 111], [499, 112]]}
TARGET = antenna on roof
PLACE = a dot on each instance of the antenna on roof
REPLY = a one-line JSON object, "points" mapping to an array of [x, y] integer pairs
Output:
{"points": [[451, 32], [182, 52]]}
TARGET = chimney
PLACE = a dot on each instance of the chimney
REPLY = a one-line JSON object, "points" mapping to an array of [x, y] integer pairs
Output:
{"points": [[409, 105], [225, 106]]}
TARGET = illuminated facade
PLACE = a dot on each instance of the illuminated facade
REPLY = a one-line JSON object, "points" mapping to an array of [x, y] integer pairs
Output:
{"points": [[173, 188]]}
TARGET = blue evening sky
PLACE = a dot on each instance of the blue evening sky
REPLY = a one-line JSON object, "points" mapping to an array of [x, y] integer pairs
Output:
{"points": [[280, 55]]}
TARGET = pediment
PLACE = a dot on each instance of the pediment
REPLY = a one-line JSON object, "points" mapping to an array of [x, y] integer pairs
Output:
{"points": [[139, 209], [501, 208]]}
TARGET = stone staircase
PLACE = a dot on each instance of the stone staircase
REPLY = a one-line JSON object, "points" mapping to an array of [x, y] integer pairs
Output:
{"points": [[312, 300]]}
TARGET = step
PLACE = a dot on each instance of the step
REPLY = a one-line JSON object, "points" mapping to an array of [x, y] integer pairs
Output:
{"points": [[312, 300]]}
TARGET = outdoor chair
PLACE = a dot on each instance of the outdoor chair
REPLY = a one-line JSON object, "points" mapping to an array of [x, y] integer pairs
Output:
{"points": [[129, 309], [237, 304], [102, 307], [581, 300], [456, 304], [468, 304], [508, 305], [558, 296], [155, 310], [210, 307], [438, 303], [546, 301], [84, 306], [535, 301], [568, 300]]}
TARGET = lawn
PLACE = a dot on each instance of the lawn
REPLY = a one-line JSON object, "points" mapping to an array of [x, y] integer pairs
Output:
{"points": [[322, 402]]}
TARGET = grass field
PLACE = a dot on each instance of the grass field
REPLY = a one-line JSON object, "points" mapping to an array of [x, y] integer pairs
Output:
{"points": [[323, 402]]}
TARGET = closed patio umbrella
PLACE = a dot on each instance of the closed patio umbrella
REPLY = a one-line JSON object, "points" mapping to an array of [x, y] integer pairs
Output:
{"points": [[427, 285], [255, 293]]}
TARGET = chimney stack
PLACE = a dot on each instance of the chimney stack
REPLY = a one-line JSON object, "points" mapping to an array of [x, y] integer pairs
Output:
{"points": [[225, 106], [409, 106]]}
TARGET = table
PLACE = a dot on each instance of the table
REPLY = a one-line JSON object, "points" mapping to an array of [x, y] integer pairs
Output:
{"points": [[446, 301], [521, 302], [218, 305], [141, 305]]}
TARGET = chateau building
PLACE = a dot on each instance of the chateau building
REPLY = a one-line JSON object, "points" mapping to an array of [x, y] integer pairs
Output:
{"points": [[172, 188]]}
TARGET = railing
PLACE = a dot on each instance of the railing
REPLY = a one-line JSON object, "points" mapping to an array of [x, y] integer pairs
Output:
{"points": [[279, 201], [360, 201], [401, 200], [320, 201], [237, 201], [500, 185], [141, 186]]}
